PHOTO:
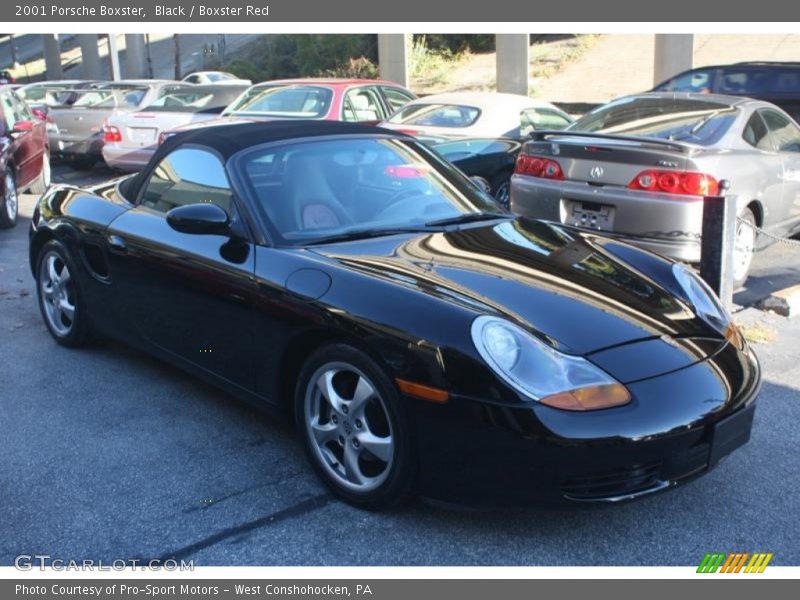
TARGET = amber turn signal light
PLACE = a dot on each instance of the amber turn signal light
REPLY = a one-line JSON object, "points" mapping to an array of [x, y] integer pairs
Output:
{"points": [[589, 398], [431, 394]]}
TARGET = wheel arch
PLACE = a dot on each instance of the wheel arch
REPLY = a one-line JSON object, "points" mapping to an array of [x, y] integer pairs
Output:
{"points": [[758, 211], [304, 345]]}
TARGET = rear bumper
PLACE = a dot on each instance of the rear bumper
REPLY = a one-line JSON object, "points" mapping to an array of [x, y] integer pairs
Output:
{"points": [[126, 159], [71, 147], [664, 223]]}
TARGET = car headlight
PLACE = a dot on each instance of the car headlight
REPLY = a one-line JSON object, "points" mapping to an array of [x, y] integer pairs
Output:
{"points": [[541, 373], [705, 303]]}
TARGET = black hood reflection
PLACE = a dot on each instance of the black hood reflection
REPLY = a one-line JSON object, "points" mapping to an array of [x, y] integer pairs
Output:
{"points": [[559, 281]]}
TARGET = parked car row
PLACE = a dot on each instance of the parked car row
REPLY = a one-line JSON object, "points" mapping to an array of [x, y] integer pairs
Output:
{"points": [[637, 167]]}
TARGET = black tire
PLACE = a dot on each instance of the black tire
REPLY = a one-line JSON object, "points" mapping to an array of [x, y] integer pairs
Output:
{"points": [[42, 182], [9, 206], [83, 163], [744, 248], [78, 333], [398, 479], [501, 186]]}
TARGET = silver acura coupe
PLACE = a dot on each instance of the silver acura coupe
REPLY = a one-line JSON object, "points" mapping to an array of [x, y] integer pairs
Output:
{"points": [[639, 166]]}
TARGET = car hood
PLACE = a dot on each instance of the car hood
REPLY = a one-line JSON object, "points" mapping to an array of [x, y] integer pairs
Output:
{"points": [[560, 282]]}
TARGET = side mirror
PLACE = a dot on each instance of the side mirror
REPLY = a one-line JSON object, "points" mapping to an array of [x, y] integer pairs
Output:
{"points": [[201, 219], [481, 184], [23, 126]]}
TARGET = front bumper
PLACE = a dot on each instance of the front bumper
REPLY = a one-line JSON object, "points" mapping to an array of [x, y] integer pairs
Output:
{"points": [[667, 224], [677, 427]]}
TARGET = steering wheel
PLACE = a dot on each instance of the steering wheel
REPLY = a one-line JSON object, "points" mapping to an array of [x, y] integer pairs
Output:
{"points": [[429, 205]]}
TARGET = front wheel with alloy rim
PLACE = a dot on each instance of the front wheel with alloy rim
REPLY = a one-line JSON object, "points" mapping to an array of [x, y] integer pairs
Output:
{"points": [[9, 202], [60, 300], [743, 247], [354, 429]]}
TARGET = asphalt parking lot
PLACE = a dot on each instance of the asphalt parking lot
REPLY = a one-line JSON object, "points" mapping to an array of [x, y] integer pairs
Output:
{"points": [[108, 454]]}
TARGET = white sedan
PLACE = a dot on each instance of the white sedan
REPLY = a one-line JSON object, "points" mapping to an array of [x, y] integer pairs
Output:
{"points": [[215, 77], [477, 114]]}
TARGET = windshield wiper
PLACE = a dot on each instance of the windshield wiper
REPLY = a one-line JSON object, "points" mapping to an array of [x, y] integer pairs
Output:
{"points": [[363, 234], [468, 218]]}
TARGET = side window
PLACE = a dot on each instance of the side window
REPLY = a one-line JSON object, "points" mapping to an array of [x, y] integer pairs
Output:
{"points": [[786, 81], [361, 104], [396, 98], [13, 110], [743, 81], [756, 133], [785, 133], [22, 108], [699, 81], [532, 119], [193, 79], [187, 176]]}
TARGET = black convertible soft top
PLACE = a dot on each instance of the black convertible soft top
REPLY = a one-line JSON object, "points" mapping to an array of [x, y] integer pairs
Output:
{"points": [[230, 138]]}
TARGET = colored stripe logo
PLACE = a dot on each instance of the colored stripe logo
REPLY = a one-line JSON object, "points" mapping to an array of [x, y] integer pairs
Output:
{"points": [[735, 562]]}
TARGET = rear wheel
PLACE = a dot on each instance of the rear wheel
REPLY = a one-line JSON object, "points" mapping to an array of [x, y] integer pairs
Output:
{"points": [[39, 186], [60, 299], [354, 429], [743, 247], [501, 188], [9, 203]]}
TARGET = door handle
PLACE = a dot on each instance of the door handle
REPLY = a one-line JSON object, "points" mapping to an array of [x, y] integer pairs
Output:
{"points": [[117, 244]]}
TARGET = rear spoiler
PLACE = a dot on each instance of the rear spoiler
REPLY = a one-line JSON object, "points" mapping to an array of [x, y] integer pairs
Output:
{"points": [[683, 148]]}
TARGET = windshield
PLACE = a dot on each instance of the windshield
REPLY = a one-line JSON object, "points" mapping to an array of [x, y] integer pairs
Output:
{"points": [[313, 190], [436, 115], [696, 121], [285, 101], [219, 76], [109, 98]]}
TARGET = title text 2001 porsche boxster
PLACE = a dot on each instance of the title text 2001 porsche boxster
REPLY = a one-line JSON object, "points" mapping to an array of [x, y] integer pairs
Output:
{"points": [[424, 342]]}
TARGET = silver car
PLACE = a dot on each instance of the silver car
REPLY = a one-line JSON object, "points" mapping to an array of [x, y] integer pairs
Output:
{"points": [[78, 132], [131, 138], [639, 166]]}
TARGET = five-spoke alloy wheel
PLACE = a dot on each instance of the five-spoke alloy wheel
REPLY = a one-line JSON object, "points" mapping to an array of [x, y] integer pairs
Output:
{"points": [[59, 296], [355, 434]]}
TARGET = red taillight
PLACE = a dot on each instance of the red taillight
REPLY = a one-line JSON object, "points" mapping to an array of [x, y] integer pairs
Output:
{"points": [[40, 113], [675, 182], [112, 134], [538, 167]]}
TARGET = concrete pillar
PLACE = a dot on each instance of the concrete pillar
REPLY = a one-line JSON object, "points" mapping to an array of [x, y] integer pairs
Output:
{"points": [[52, 56], [393, 57], [90, 56], [513, 58], [674, 52], [134, 56], [113, 56]]}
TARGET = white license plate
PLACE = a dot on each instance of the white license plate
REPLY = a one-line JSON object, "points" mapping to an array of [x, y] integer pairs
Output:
{"points": [[142, 136], [591, 216]]}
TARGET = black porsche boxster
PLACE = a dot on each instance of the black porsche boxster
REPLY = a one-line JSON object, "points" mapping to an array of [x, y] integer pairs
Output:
{"points": [[423, 341]]}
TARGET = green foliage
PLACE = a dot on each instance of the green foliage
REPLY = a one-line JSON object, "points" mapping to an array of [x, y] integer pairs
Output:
{"points": [[307, 55], [458, 43]]}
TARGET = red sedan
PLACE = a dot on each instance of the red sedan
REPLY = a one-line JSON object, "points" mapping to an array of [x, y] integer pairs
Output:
{"points": [[367, 101], [24, 154]]}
